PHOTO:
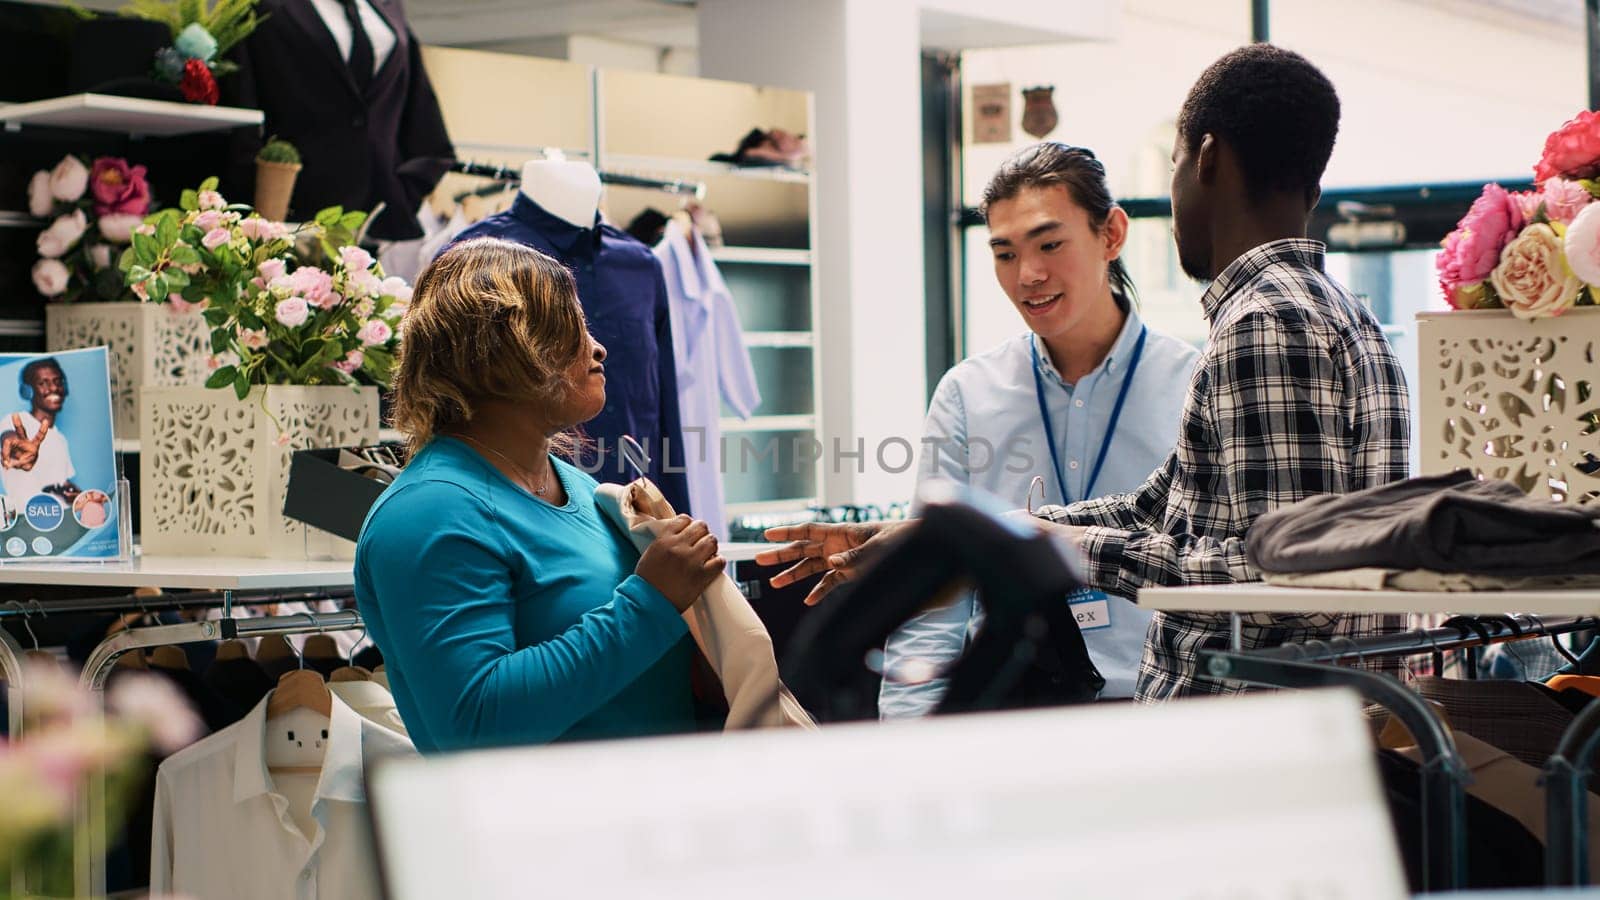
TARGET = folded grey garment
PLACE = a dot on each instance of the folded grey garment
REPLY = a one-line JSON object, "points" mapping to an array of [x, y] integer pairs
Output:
{"points": [[1440, 523], [1424, 580]]}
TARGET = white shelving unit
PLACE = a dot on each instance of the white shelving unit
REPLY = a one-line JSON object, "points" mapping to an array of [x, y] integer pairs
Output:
{"points": [[215, 573], [126, 115], [701, 168], [779, 339], [761, 256], [768, 423]]}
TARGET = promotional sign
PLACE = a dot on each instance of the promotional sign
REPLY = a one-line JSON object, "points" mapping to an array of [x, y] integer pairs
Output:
{"points": [[59, 494]]}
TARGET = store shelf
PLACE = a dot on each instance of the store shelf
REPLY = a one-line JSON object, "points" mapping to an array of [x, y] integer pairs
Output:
{"points": [[21, 328], [762, 256], [700, 168], [125, 445], [769, 423], [126, 115], [778, 339], [770, 507], [218, 573]]}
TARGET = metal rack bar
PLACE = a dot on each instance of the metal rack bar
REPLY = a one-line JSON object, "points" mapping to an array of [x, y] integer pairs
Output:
{"points": [[1566, 855], [499, 172]]}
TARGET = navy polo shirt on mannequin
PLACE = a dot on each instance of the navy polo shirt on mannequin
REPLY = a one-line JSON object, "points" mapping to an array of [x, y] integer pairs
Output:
{"points": [[624, 298]]}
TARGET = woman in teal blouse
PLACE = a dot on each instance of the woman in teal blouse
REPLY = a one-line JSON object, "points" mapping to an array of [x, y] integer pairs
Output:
{"points": [[507, 609]]}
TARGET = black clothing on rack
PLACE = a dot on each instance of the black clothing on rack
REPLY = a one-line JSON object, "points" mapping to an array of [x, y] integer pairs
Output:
{"points": [[1500, 852], [1029, 653]]}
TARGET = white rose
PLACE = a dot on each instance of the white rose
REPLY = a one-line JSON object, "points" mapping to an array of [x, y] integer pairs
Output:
{"points": [[62, 234], [69, 179], [50, 277], [118, 227], [1533, 279], [1583, 245], [40, 200]]}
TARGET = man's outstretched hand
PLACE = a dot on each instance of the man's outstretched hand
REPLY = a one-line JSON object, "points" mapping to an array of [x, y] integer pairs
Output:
{"points": [[834, 548], [17, 450]]}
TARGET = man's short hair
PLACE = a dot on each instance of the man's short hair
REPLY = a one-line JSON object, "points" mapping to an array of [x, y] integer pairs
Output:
{"points": [[1277, 111]]}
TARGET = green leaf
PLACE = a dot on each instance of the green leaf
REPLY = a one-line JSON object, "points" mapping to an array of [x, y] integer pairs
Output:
{"points": [[210, 184], [158, 289], [214, 316], [190, 201], [145, 246], [248, 319], [167, 231], [222, 377], [352, 220], [185, 256], [177, 280], [125, 259], [241, 385], [219, 340], [329, 217]]}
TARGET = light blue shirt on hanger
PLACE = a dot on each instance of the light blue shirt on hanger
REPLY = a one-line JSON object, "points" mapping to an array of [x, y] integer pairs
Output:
{"points": [[984, 429]]}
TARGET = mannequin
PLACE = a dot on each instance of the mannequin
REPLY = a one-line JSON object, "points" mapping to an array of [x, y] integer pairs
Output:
{"points": [[567, 190]]}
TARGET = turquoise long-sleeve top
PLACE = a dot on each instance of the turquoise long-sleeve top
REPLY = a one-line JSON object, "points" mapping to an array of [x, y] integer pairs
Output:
{"points": [[503, 619]]}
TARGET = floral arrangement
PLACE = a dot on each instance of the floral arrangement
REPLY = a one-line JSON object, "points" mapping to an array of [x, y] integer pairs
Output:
{"points": [[201, 33], [279, 313], [1535, 252], [93, 210], [66, 739]]}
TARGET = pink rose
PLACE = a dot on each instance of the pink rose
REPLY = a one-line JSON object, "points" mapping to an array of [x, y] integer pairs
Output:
{"points": [[118, 228], [364, 308], [209, 220], [293, 312], [1573, 150], [100, 256], [215, 238], [374, 333], [253, 338], [1583, 245], [258, 229], [62, 235], [141, 289], [225, 358], [69, 179], [1473, 249], [119, 187], [363, 284], [355, 259], [145, 229], [1533, 279], [1564, 199], [211, 200], [271, 270], [396, 287], [315, 285], [180, 305], [351, 362], [50, 277], [40, 201]]}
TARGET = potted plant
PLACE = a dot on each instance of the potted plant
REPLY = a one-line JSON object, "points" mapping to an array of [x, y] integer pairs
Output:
{"points": [[92, 208], [1509, 378], [277, 165], [298, 341]]}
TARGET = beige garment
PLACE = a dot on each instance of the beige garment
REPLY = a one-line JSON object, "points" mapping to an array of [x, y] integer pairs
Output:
{"points": [[727, 630], [371, 701], [1424, 580], [1509, 785]]}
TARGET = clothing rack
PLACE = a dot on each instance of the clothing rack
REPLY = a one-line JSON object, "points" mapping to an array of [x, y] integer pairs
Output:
{"points": [[1444, 776], [499, 172]]}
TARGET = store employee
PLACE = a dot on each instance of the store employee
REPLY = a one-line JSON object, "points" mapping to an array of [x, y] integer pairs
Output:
{"points": [[1086, 401]]}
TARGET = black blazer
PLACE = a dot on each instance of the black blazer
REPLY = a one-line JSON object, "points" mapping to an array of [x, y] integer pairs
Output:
{"points": [[389, 145]]}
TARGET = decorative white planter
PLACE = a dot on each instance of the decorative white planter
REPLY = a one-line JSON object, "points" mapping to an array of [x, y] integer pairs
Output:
{"points": [[213, 473], [151, 344], [1512, 399]]}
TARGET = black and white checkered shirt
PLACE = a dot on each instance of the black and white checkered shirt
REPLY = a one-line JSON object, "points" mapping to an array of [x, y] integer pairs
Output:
{"points": [[1297, 393]]}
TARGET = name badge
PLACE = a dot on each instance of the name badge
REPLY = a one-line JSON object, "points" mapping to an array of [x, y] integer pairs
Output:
{"points": [[1090, 609]]}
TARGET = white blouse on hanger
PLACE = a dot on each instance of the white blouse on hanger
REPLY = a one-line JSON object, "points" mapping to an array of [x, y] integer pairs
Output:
{"points": [[223, 832]]}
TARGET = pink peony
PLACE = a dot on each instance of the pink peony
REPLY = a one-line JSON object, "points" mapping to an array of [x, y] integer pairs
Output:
{"points": [[211, 200], [292, 312], [118, 228], [374, 333], [50, 277], [1583, 245], [1564, 199], [119, 187], [215, 238], [1573, 150], [355, 259], [69, 179], [351, 362], [1473, 249], [40, 201], [208, 220], [253, 338], [315, 285], [1533, 279], [62, 235]]}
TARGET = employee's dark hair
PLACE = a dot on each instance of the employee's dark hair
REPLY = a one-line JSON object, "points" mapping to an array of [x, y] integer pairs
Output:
{"points": [[1277, 111], [1049, 164]]}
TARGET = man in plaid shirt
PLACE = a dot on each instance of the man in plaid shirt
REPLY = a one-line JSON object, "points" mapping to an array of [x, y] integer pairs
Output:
{"points": [[1297, 392]]}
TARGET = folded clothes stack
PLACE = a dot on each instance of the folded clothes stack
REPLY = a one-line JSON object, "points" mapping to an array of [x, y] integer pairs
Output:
{"points": [[1439, 532]]}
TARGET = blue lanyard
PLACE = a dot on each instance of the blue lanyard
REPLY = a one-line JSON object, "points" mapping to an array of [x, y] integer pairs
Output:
{"points": [[1111, 426]]}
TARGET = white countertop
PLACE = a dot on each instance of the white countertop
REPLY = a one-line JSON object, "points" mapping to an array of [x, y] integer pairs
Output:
{"points": [[215, 573], [1267, 598]]}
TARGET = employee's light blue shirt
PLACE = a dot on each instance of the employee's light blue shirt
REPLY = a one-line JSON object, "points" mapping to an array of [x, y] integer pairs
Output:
{"points": [[983, 429]]}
